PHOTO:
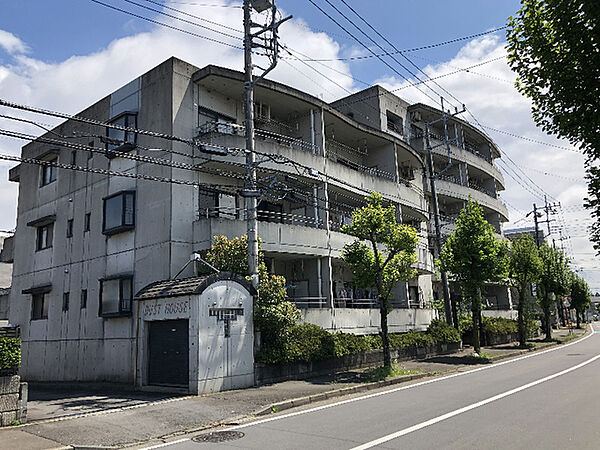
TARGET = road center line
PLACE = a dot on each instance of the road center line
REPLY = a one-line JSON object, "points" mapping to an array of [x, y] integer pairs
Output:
{"points": [[464, 409]]}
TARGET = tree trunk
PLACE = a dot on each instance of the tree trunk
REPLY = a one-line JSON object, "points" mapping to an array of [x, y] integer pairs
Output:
{"points": [[454, 312], [548, 328], [387, 357], [578, 319], [521, 319], [561, 312], [476, 312]]}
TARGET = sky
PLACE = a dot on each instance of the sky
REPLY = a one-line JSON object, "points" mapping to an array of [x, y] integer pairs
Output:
{"points": [[66, 54]]}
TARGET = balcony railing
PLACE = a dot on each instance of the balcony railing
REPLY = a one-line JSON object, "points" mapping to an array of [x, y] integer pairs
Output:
{"points": [[260, 133], [480, 188], [308, 302], [363, 303], [225, 212]]}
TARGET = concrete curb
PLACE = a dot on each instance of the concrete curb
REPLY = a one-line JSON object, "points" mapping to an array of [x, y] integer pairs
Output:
{"points": [[300, 401]]}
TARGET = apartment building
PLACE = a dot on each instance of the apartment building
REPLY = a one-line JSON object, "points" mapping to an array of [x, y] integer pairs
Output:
{"points": [[466, 171], [89, 243]]}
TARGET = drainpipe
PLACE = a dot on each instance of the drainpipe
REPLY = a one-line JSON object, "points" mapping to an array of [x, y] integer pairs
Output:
{"points": [[312, 131]]}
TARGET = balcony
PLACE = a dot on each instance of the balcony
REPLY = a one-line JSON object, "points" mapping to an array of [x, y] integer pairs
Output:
{"points": [[467, 153]]}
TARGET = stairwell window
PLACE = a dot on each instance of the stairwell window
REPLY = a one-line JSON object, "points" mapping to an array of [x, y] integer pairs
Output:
{"points": [[119, 213], [121, 140], [115, 296]]}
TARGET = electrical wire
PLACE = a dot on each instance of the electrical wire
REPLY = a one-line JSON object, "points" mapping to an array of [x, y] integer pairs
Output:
{"points": [[156, 22]]}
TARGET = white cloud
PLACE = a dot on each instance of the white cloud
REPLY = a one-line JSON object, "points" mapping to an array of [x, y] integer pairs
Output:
{"points": [[11, 43]]}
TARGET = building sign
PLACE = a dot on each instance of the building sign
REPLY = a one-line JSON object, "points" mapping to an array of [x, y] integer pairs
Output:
{"points": [[226, 315], [166, 309]]}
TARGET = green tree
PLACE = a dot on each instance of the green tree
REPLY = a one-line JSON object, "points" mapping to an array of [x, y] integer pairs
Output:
{"points": [[555, 282], [274, 315], [473, 255], [581, 297], [525, 267], [554, 47], [384, 261]]}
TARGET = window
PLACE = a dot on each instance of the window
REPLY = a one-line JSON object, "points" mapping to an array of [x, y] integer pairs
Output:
{"points": [[395, 123], [70, 228], [74, 158], [83, 303], [87, 222], [49, 172], [115, 296], [65, 306], [44, 236], [119, 213], [121, 140], [39, 306]]}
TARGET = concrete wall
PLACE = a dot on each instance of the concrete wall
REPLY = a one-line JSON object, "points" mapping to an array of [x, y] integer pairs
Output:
{"points": [[506, 314], [368, 321]]}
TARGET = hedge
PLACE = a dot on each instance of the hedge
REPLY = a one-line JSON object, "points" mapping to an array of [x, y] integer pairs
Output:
{"points": [[10, 352], [495, 326], [307, 342]]}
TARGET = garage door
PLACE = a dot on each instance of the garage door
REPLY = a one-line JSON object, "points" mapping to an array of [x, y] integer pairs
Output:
{"points": [[168, 358]]}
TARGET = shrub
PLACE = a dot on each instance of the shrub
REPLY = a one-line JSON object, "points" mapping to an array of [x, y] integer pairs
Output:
{"points": [[10, 352], [306, 342], [410, 339], [442, 333], [498, 325]]}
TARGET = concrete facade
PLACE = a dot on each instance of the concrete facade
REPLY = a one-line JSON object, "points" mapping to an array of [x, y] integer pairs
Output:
{"points": [[75, 273]]}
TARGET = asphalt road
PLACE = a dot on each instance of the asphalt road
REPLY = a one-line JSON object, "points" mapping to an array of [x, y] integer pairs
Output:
{"points": [[547, 400]]}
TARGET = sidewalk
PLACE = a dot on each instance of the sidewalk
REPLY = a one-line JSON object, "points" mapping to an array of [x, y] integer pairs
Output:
{"points": [[86, 419]]}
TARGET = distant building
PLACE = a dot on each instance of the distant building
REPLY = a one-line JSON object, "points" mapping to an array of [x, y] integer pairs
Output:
{"points": [[514, 233]]}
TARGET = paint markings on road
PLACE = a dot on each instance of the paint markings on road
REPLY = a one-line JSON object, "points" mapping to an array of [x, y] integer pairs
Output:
{"points": [[464, 409]]}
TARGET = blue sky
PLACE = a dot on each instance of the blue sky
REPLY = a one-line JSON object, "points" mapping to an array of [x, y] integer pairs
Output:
{"points": [[58, 29], [64, 55]]}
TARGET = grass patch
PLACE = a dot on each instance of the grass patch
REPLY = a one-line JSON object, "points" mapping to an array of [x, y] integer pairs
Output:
{"points": [[478, 358], [381, 373]]}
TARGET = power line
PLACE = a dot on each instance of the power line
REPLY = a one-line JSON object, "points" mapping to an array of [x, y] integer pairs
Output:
{"points": [[424, 47], [364, 45], [196, 17], [148, 8], [156, 22]]}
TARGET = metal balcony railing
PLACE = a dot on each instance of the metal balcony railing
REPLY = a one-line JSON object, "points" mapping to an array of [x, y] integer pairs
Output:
{"points": [[308, 302], [234, 129], [357, 303], [224, 212]]}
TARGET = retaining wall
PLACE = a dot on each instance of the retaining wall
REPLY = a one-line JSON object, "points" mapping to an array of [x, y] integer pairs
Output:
{"points": [[266, 373], [13, 400]]}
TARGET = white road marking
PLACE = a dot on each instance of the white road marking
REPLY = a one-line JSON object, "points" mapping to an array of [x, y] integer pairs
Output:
{"points": [[390, 391], [464, 409], [179, 441]]}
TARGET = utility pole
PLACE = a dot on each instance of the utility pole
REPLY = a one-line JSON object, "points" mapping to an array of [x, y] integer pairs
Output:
{"points": [[537, 227], [270, 46], [449, 311]]}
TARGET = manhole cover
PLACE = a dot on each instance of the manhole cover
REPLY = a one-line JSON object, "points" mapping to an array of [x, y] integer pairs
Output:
{"points": [[219, 436]]}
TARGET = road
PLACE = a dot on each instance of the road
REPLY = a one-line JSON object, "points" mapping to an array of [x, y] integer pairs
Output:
{"points": [[549, 400]]}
